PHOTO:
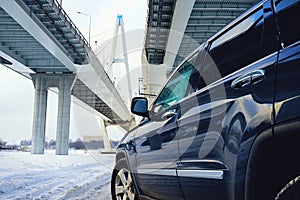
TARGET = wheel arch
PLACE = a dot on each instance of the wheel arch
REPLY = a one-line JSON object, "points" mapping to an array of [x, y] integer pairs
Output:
{"points": [[268, 159], [122, 153], [251, 161]]}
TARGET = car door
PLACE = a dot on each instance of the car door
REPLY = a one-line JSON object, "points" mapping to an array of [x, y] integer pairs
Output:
{"points": [[157, 151], [288, 81], [234, 102]]}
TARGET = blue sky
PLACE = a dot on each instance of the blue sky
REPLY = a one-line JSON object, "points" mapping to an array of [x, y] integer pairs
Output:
{"points": [[17, 92]]}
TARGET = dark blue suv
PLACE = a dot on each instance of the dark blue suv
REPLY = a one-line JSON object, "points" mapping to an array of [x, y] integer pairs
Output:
{"points": [[226, 125]]}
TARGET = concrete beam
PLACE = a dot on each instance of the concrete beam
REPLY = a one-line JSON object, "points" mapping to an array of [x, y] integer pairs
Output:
{"points": [[180, 20]]}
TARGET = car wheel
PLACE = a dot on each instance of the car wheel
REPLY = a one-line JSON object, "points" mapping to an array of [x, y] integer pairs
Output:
{"points": [[122, 186], [290, 191]]}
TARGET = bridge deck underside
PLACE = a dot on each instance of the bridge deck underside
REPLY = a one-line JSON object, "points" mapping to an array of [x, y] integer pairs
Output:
{"points": [[16, 42], [158, 27], [83, 93], [57, 22], [207, 18]]}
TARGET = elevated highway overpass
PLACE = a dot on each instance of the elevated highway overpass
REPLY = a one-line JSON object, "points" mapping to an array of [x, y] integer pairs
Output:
{"points": [[40, 41]]}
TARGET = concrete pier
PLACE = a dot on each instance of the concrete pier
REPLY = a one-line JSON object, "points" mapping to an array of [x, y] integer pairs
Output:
{"points": [[107, 145], [39, 115], [64, 83]]}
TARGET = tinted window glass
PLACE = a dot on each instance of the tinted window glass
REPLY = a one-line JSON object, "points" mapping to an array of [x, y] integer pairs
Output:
{"points": [[240, 45], [269, 39], [176, 88], [288, 13]]}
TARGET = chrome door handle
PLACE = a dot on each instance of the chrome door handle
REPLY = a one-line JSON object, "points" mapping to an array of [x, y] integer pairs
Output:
{"points": [[250, 78], [169, 113], [258, 75]]}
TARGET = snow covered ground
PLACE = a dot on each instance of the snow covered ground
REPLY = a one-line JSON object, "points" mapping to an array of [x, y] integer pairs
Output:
{"points": [[76, 176]]}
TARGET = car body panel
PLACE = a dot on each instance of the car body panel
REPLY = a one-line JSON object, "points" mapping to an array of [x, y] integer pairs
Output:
{"points": [[153, 172], [214, 136]]}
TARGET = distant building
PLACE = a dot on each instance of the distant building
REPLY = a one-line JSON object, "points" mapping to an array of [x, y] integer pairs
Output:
{"points": [[2, 144], [88, 138], [26, 148]]}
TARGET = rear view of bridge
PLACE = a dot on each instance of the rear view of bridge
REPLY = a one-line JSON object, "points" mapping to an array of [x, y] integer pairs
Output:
{"points": [[39, 36]]}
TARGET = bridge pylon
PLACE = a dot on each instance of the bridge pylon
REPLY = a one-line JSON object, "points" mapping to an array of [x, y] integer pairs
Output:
{"points": [[115, 59]]}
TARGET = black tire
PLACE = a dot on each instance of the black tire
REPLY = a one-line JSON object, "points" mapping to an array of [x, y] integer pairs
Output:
{"points": [[122, 182], [290, 191]]}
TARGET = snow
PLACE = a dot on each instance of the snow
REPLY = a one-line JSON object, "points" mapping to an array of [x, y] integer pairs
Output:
{"points": [[76, 176]]}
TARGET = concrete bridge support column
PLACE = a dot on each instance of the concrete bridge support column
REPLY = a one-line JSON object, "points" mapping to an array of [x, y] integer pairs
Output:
{"points": [[107, 146], [63, 119], [39, 115], [64, 83]]}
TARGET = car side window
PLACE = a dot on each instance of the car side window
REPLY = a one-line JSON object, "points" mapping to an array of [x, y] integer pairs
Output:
{"points": [[240, 45], [176, 88], [288, 14]]}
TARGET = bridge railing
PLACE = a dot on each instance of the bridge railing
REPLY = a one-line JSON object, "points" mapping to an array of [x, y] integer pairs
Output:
{"points": [[57, 5]]}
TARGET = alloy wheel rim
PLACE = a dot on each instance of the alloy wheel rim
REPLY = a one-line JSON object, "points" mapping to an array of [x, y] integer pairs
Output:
{"points": [[124, 189]]}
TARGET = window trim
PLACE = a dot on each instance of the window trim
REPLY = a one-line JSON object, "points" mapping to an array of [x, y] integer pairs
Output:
{"points": [[232, 24]]}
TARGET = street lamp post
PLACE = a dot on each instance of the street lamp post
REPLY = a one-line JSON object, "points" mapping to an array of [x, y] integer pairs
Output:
{"points": [[81, 13]]}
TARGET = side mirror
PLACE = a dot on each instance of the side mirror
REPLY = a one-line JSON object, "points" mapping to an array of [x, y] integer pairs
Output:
{"points": [[139, 106]]}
